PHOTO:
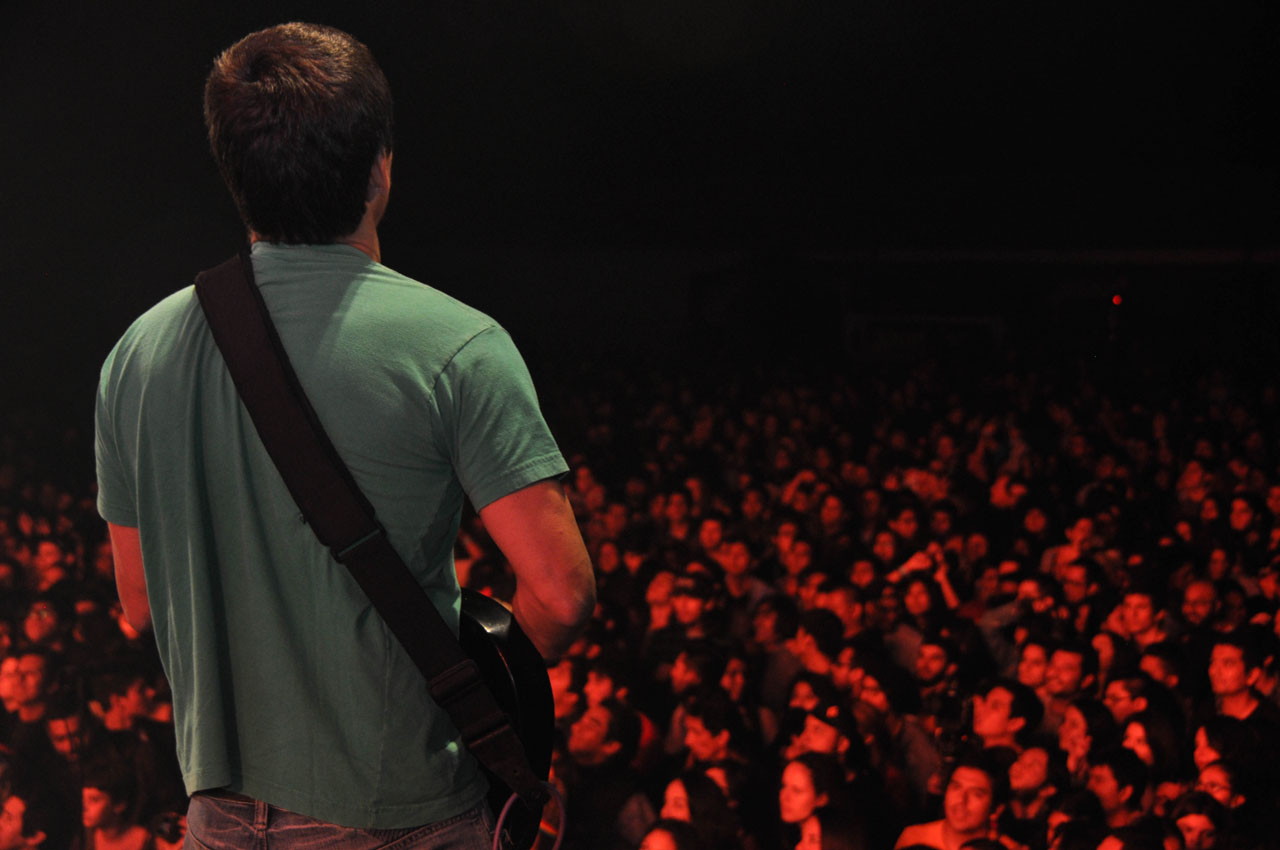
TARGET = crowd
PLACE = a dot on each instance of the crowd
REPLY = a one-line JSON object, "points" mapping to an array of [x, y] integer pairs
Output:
{"points": [[1024, 609]]}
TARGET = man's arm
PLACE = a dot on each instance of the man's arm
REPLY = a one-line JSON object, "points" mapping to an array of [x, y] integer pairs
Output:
{"points": [[555, 588], [131, 583]]}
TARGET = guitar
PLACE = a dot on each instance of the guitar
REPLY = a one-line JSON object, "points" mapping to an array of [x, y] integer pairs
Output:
{"points": [[515, 673]]}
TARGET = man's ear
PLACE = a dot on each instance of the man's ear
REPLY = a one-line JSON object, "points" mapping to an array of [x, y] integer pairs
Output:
{"points": [[1016, 724], [379, 176]]}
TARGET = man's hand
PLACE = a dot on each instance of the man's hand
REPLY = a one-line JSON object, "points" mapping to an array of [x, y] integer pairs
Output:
{"points": [[555, 588]]}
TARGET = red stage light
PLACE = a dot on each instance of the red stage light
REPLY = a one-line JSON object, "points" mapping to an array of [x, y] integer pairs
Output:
{"points": [[1116, 299]]}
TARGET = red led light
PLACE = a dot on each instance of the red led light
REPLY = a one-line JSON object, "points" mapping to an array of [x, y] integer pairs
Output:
{"points": [[1116, 299]]}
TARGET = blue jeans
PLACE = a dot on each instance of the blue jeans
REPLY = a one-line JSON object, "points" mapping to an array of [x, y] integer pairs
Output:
{"points": [[222, 823]]}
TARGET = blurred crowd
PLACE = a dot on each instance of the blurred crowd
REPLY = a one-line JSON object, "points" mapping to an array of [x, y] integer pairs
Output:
{"points": [[1027, 608]]}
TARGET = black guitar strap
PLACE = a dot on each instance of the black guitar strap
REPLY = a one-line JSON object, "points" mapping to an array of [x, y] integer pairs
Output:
{"points": [[344, 521]]}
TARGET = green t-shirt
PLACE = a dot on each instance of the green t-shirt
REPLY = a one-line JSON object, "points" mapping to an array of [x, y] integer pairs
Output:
{"points": [[287, 685]]}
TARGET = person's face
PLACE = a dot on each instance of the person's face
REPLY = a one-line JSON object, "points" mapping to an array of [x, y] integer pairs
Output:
{"points": [[1106, 650], [1119, 701], [931, 663], [1064, 675], [1227, 673], [588, 735], [734, 678], [991, 713], [703, 745], [796, 797], [710, 533], [1030, 770], [675, 802], [1102, 782], [30, 679], [597, 688], [677, 508], [683, 675], [883, 547], [1075, 584], [870, 692], [752, 504], [1033, 664], [763, 622], [1154, 667], [802, 696], [41, 622], [67, 736], [737, 559], [916, 600], [1073, 734], [48, 554], [1204, 754], [906, 524], [11, 823], [1219, 564], [687, 608], [1034, 521], [831, 512], [96, 809], [842, 669], [1135, 740], [975, 547], [1197, 603], [967, 803], [1216, 782], [1137, 613], [9, 683], [658, 839], [1241, 516], [785, 537], [819, 737], [1198, 832], [863, 573]]}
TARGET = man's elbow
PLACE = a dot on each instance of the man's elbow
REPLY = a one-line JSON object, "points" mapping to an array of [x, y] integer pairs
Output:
{"points": [[577, 602]]}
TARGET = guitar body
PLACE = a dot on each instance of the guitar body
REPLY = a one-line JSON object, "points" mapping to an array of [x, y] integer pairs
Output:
{"points": [[517, 676]]}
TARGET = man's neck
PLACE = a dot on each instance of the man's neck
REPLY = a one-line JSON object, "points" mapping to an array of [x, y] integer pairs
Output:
{"points": [[953, 839], [1239, 705], [32, 712], [365, 239]]}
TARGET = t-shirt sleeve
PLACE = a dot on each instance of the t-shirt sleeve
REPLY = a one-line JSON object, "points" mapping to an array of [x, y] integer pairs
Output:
{"points": [[490, 423], [117, 502]]}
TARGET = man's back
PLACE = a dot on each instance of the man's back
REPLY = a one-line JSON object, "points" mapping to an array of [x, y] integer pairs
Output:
{"points": [[288, 687]]}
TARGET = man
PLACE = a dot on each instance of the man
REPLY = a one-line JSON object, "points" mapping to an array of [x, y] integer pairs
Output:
{"points": [[1118, 778], [1005, 714], [1141, 617], [609, 811], [305, 703], [28, 822], [1071, 671], [1235, 666], [974, 796]]}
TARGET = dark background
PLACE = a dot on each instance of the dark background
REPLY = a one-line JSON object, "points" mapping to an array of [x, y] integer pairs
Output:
{"points": [[621, 180]]}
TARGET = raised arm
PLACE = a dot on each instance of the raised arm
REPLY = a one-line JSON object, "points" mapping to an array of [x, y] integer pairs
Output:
{"points": [[131, 583], [555, 588]]}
